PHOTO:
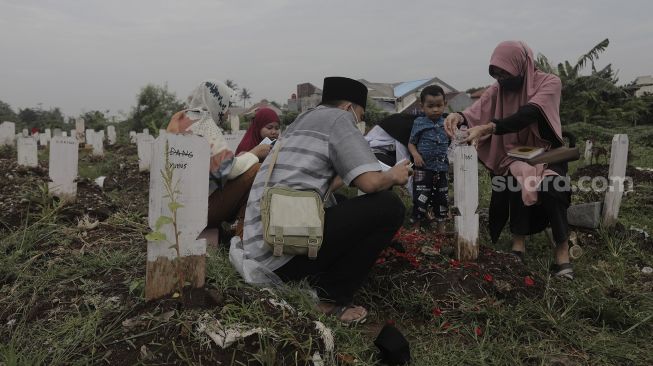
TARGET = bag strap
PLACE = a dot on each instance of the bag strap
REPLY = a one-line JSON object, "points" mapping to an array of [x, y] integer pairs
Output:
{"points": [[277, 147], [275, 154]]}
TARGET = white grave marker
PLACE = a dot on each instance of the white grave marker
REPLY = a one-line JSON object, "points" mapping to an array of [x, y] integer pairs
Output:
{"points": [[101, 135], [27, 152], [144, 146], [233, 139], [48, 133], [588, 152], [466, 202], [56, 132], [79, 130], [64, 133], [89, 137], [63, 167], [146, 131], [616, 177], [25, 132], [96, 141], [132, 137], [73, 133], [234, 121], [188, 156], [7, 133], [111, 134], [43, 139]]}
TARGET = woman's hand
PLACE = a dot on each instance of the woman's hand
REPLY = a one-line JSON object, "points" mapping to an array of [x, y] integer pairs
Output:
{"points": [[478, 132], [451, 123], [261, 150]]}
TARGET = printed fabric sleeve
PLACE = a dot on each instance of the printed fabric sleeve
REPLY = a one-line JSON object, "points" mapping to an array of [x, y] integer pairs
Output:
{"points": [[349, 153], [414, 132]]}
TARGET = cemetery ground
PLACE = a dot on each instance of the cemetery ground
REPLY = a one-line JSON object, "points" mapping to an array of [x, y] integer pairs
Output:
{"points": [[72, 281]]}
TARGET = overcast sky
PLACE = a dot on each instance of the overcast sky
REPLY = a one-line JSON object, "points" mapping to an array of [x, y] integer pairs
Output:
{"points": [[84, 55]]}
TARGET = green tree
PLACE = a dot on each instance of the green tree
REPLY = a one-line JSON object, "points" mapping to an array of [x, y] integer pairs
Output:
{"points": [[288, 117], [245, 95], [39, 118], [373, 113], [232, 84], [95, 120], [155, 106], [6, 113]]}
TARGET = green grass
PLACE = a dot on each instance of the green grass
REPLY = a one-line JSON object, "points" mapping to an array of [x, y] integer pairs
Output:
{"points": [[82, 284]]}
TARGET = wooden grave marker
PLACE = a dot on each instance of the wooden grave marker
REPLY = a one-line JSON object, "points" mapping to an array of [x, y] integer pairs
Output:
{"points": [[111, 134], [64, 156], [57, 132], [588, 152], [43, 139], [25, 132], [146, 131], [64, 134], [132, 137], [27, 152], [616, 178], [79, 130], [97, 143], [7, 133], [144, 147], [233, 139], [466, 202], [189, 156]]}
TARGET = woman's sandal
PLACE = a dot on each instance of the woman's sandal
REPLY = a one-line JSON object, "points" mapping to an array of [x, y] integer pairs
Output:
{"points": [[564, 270], [339, 310]]}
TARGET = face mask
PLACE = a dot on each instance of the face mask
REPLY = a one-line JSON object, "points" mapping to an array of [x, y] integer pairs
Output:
{"points": [[355, 115], [512, 83]]}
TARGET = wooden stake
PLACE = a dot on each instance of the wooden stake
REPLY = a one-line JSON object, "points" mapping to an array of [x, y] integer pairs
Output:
{"points": [[466, 202], [616, 177]]}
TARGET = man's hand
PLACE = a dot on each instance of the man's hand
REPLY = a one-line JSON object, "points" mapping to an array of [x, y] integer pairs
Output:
{"points": [[261, 150], [400, 173], [451, 123]]}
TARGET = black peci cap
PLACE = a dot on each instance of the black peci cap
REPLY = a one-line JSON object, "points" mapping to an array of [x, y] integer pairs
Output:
{"points": [[341, 88]]}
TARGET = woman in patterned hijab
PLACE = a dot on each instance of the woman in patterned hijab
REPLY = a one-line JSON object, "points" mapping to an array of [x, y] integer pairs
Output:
{"points": [[230, 177]]}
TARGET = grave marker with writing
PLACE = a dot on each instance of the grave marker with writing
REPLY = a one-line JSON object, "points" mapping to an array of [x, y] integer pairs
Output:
{"points": [[7, 133], [616, 178], [188, 156], [63, 167], [466, 202], [27, 152], [144, 146], [233, 139]]}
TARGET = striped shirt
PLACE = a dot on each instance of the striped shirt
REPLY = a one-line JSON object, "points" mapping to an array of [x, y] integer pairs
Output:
{"points": [[320, 144]]}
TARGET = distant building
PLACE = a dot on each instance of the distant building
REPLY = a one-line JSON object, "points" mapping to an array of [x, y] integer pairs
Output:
{"points": [[477, 94], [308, 96], [643, 85], [404, 96], [264, 103]]}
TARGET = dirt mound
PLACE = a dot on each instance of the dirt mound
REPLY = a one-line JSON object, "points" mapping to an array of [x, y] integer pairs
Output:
{"points": [[18, 188]]}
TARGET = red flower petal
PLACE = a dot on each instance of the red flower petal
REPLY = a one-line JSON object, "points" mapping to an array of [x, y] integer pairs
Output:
{"points": [[528, 281], [479, 331], [488, 277], [436, 311]]}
